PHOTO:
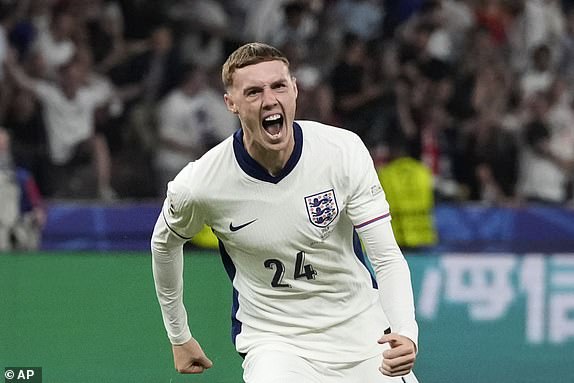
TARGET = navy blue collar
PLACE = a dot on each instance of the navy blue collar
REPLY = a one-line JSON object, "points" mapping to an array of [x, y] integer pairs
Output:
{"points": [[252, 167]]}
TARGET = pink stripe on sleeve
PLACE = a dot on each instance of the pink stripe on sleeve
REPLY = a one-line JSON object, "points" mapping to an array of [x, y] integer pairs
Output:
{"points": [[372, 220]]}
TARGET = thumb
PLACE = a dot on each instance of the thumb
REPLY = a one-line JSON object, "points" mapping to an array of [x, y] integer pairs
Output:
{"points": [[391, 339], [205, 362]]}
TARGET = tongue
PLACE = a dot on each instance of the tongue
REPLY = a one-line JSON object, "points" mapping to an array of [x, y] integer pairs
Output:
{"points": [[273, 129]]}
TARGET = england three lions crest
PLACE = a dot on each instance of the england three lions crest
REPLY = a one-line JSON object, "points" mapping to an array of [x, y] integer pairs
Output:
{"points": [[322, 208]]}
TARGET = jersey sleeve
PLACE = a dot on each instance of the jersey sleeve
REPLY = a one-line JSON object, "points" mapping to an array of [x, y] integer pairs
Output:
{"points": [[367, 203], [179, 220], [100, 91], [181, 209], [393, 277]]}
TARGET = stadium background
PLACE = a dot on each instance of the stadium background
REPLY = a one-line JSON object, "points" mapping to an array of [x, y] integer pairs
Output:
{"points": [[495, 298], [488, 309]]}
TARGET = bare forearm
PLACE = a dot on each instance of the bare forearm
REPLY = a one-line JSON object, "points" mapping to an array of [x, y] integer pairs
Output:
{"points": [[20, 78]]}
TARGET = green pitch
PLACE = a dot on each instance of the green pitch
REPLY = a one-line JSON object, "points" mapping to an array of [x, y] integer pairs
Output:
{"points": [[94, 318]]}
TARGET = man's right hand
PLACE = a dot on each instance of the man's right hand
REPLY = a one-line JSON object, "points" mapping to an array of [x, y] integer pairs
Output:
{"points": [[189, 358]]}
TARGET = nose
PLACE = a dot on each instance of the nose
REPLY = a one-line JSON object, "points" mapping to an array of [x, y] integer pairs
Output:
{"points": [[269, 98]]}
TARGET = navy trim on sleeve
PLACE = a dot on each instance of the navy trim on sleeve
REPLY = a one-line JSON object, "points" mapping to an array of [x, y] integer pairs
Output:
{"points": [[172, 230]]}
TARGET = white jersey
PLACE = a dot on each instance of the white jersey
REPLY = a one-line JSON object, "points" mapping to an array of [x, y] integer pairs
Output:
{"points": [[289, 242]]}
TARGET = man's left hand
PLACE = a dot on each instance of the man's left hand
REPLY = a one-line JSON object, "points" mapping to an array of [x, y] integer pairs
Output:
{"points": [[400, 359]]}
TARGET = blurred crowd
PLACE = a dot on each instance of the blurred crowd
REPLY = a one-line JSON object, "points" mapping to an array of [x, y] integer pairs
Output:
{"points": [[108, 99]]}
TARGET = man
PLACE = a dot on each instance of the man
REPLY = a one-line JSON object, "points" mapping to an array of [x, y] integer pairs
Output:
{"points": [[23, 214], [191, 119], [285, 200], [69, 107]]}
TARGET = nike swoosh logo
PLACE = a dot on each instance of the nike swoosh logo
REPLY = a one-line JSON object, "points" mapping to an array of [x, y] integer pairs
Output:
{"points": [[235, 228]]}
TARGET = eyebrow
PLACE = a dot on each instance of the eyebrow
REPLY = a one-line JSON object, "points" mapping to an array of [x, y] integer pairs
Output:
{"points": [[247, 90], [259, 87]]}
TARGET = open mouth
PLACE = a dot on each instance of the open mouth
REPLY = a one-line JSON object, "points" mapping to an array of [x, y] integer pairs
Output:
{"points": [[273, 124]]}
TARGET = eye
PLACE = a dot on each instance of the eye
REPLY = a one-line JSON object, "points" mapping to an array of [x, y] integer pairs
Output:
{"points": [[280, 86], [252, 92]]}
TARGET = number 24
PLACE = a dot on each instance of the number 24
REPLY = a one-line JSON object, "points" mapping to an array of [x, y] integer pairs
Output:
{"points": [[301, 270]]}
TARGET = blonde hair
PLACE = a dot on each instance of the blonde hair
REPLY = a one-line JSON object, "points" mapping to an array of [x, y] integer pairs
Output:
{"points": [[249, 54]]}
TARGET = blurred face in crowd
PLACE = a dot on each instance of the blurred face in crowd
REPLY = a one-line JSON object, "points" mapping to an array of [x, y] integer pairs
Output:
{"points": [[64, 25], [194, 81], [161, 40], [542, 58], [356, 52], [4, 141], [264, 96], [73, 76]]}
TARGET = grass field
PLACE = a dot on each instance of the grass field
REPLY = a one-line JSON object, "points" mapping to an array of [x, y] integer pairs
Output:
{"points": [[94, 318], [89, 318]]}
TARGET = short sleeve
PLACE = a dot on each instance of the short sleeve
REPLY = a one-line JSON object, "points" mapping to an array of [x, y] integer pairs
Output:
{"points": [[45, 91]]}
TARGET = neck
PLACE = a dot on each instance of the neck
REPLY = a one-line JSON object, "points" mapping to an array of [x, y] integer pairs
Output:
{"points": [[69, 91], [271, 160]]}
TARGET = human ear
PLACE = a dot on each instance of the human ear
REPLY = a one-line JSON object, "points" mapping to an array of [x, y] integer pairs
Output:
{"points": [[230, 104]]}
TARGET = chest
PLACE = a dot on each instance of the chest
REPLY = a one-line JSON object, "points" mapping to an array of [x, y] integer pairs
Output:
{"points": [[77, 107], [283, 218]]}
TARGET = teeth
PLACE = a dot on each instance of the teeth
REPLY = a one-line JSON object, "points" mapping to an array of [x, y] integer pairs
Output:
{"points": [[273, 117]]}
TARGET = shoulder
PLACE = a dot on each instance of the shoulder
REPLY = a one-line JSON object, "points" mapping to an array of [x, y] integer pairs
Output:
{"points": [[199, 180], [329, 137], [45, 88]]}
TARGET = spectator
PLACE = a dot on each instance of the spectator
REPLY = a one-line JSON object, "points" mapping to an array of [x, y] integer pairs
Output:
{"points": [[5, 21], [68, 111], [28, 135], [10, 15], [315, 95], [9, 192], [298, 28], [532, 23], [544, 164], [471, 59], [540, 74], [262, 17], [363, 18], [491, 160], [191, 119], [143, 80], [566, 56], [457, 19], [492, 17], [103, 22], [491, 89], [23, 214], [428, 31], [27, 232], [204, 28], [396, 13], [54, 44], [356, 95]]}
